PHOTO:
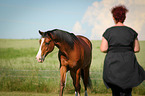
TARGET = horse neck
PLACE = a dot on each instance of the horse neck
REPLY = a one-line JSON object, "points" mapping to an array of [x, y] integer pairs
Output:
{"points": [[64, 45], [64, 48]]}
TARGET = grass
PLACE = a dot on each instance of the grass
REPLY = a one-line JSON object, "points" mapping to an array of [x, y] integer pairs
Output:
{"points": [[19, 70], [48, 94]]}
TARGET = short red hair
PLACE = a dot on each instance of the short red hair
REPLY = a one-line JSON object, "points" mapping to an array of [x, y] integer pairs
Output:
{"points": [[119, 13]]}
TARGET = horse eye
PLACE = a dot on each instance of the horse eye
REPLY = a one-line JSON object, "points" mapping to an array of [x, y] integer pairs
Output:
{"points": [[47, 43]]}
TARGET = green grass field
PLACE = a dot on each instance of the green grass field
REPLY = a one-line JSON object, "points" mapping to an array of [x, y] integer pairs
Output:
{"points": [[19, 70], [48, 94]]}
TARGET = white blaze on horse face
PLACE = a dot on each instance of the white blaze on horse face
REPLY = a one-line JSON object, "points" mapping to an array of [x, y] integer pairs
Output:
{"points": [[38, 56]]}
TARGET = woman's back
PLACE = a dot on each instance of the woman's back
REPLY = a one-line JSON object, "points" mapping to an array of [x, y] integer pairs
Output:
{"points": [[121, 70], [120, 36]]}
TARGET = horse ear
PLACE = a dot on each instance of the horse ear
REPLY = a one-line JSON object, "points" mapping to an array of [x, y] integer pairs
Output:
{"points": [[40, 32]]}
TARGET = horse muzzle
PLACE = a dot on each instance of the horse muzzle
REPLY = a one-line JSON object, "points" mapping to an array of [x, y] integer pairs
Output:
{"points": [[40, 59]]}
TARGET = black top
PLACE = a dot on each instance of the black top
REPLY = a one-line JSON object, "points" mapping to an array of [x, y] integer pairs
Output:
{"points": [[120, 36], [120, 66]]}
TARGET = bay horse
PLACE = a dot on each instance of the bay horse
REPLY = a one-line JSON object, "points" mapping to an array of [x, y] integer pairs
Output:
{"points": [[75, 54]]}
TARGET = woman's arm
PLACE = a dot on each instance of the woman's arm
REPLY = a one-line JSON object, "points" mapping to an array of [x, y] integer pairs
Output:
{"points": [[136, 45], [104, 45]]}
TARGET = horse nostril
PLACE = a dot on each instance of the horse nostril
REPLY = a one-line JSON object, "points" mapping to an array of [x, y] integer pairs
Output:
{"points": [[37, 58]]}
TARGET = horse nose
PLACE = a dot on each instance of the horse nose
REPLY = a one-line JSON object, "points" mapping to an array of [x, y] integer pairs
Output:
{"points": [[38, 59]]}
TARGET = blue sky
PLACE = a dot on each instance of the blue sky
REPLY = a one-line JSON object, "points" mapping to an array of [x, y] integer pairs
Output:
{"points": [[21, 19]]}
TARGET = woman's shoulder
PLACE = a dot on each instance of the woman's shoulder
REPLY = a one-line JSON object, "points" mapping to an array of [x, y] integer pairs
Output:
{"points": [[115, 28], [120, 27], [131, 30], [125, 29]]}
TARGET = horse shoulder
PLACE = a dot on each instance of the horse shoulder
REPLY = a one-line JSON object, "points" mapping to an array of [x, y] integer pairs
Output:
{"points": [[63, 58], [69, 60]]}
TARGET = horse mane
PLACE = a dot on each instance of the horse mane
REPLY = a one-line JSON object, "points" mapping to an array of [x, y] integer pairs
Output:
{"points": [[65, 36]]}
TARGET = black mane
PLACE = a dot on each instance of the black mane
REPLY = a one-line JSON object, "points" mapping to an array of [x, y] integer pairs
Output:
{"points": [[62, 35]]}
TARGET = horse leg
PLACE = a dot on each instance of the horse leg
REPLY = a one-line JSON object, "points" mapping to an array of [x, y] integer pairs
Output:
{"points": [[76, 81], [63, 71], [78, 86], [86, 79]]}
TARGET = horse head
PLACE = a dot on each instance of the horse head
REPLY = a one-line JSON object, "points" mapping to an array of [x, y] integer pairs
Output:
{"points": [[46, 46]]}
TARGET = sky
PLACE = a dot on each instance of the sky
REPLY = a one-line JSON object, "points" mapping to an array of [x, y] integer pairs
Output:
{"points": [[21, 19]]}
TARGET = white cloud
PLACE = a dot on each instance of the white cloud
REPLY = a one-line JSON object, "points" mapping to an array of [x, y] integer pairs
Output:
{"points": [[77, 29], [99, 17]]}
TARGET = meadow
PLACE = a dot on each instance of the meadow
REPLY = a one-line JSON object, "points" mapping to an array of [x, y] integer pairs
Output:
{"points": [[20, 71]]}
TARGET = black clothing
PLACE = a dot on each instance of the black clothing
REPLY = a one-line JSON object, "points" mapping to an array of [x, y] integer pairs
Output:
{"points": [[120, 66], [117, 91]]}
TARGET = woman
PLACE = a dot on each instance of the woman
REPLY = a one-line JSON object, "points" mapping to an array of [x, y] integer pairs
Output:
{"points": [[121, 69]]}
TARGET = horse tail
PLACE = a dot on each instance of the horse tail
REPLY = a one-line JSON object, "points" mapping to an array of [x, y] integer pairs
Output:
{"points": [[89, 85]]}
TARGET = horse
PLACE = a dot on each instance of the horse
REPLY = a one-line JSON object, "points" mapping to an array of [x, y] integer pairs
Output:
{"points": [[75, 55]]}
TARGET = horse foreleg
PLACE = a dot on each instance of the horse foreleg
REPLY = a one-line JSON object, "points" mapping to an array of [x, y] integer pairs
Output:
{"points": [[78, 86], [63, 71], [77, 94]]}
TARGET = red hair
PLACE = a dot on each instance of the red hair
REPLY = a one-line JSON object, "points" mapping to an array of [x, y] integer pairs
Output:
{"points": [[119, 13]]}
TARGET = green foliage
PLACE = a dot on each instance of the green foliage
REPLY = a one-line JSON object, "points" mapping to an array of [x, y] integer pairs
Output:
{"points": [[20, 71]]}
